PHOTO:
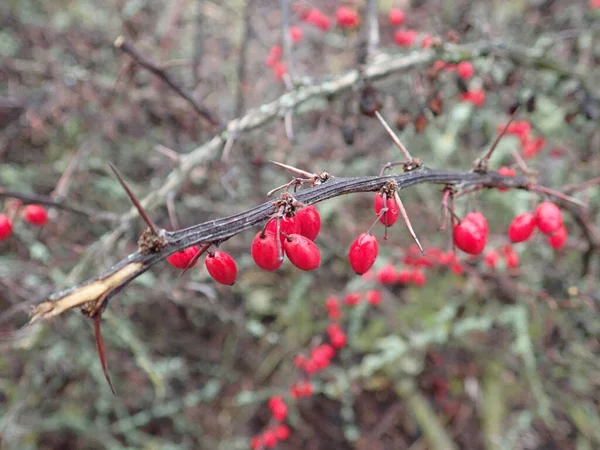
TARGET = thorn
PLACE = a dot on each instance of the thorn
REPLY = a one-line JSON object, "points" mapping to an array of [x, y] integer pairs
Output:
{"points": [[203, 248], [310, 176], [557, 194], [483, 162], [407, 221], [100, 349], [134, 200], [399, 144]]}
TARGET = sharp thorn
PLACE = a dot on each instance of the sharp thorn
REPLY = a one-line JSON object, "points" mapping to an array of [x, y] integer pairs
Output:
{"points": [[407, 222], [304, 173], [100, 349], [134, 200]]}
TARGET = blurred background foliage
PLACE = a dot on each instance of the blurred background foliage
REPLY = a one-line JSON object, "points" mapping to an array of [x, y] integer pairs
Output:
{"points": [[194, 362]]}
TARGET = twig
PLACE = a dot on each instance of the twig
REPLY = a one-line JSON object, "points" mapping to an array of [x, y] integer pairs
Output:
{"points": [[241, 66], [372, 29], [145, 62], [482, 164], [59, 204]]}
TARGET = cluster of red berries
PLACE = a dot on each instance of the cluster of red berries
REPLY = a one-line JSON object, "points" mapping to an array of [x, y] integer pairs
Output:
{"points": [[33, 214], [530, 145], [318, 360], [273, 60], [547, 218], [402, 37], [511, 257], [465, 72], [294, 235], [220, 265]]}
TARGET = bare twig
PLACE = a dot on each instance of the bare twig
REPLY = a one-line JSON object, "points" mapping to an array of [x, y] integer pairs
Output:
{"points": [[241, 65], [372, 29], [150, 65], [482, 163], [59, 204]]}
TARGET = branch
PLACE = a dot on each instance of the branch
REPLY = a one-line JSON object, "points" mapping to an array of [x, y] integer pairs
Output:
{"points": [[94, 293], [60, 204], [145, 62]]}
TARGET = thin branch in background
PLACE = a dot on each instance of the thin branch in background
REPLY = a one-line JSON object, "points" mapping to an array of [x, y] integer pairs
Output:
{"points": [[150, 65], [242, 57], [62, 186], [198, 42], [170, 28], [288, 57], [372, 29], [59, 204], [171, 210], [557, 194]]}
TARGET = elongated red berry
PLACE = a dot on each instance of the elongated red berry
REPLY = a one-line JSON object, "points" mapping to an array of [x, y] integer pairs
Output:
{"points": [[310, 222], [302, 252], [287, 225], [363, 253], [405, 38], [264, 251], [296, 34], [549, 217], [389, 217], [559, 238], [469, 236], [521, 228], [278, 408], [5, 226], [396, 16], [480, 220], [507, 172], [182, 258], [346, 17], [491, 258], [512, 259], [465, 70], [387, 274], [221, 267], [35, 215]]}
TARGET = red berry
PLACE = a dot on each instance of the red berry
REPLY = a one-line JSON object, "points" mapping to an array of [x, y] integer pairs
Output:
{"points": [[278, 408], [302, 252], [352, 299], [419, 278], [5, 226], [512, 259], [256, 443], [363, 253], [465, 70], [275, 54], [35, 215], [282, 432], [549, 217], [182, 258], [287, 225], [318, 19], [264, 251], [521, 228], [469, 236], [269, 439], [559, 238], [221, 267], [333, 308], [389, 217], [404, 276], [475, 96], [346, 17], [507, 172], [296, 34], [427, 41], [480, 220], [405, 38], [491, 258], [374, 297], [310, 222], [387, 274], [396, 16], [532, 148], [279, 70]]}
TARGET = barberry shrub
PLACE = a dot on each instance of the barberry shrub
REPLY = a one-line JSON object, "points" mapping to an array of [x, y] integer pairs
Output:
{"points": [[430, 241]]}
